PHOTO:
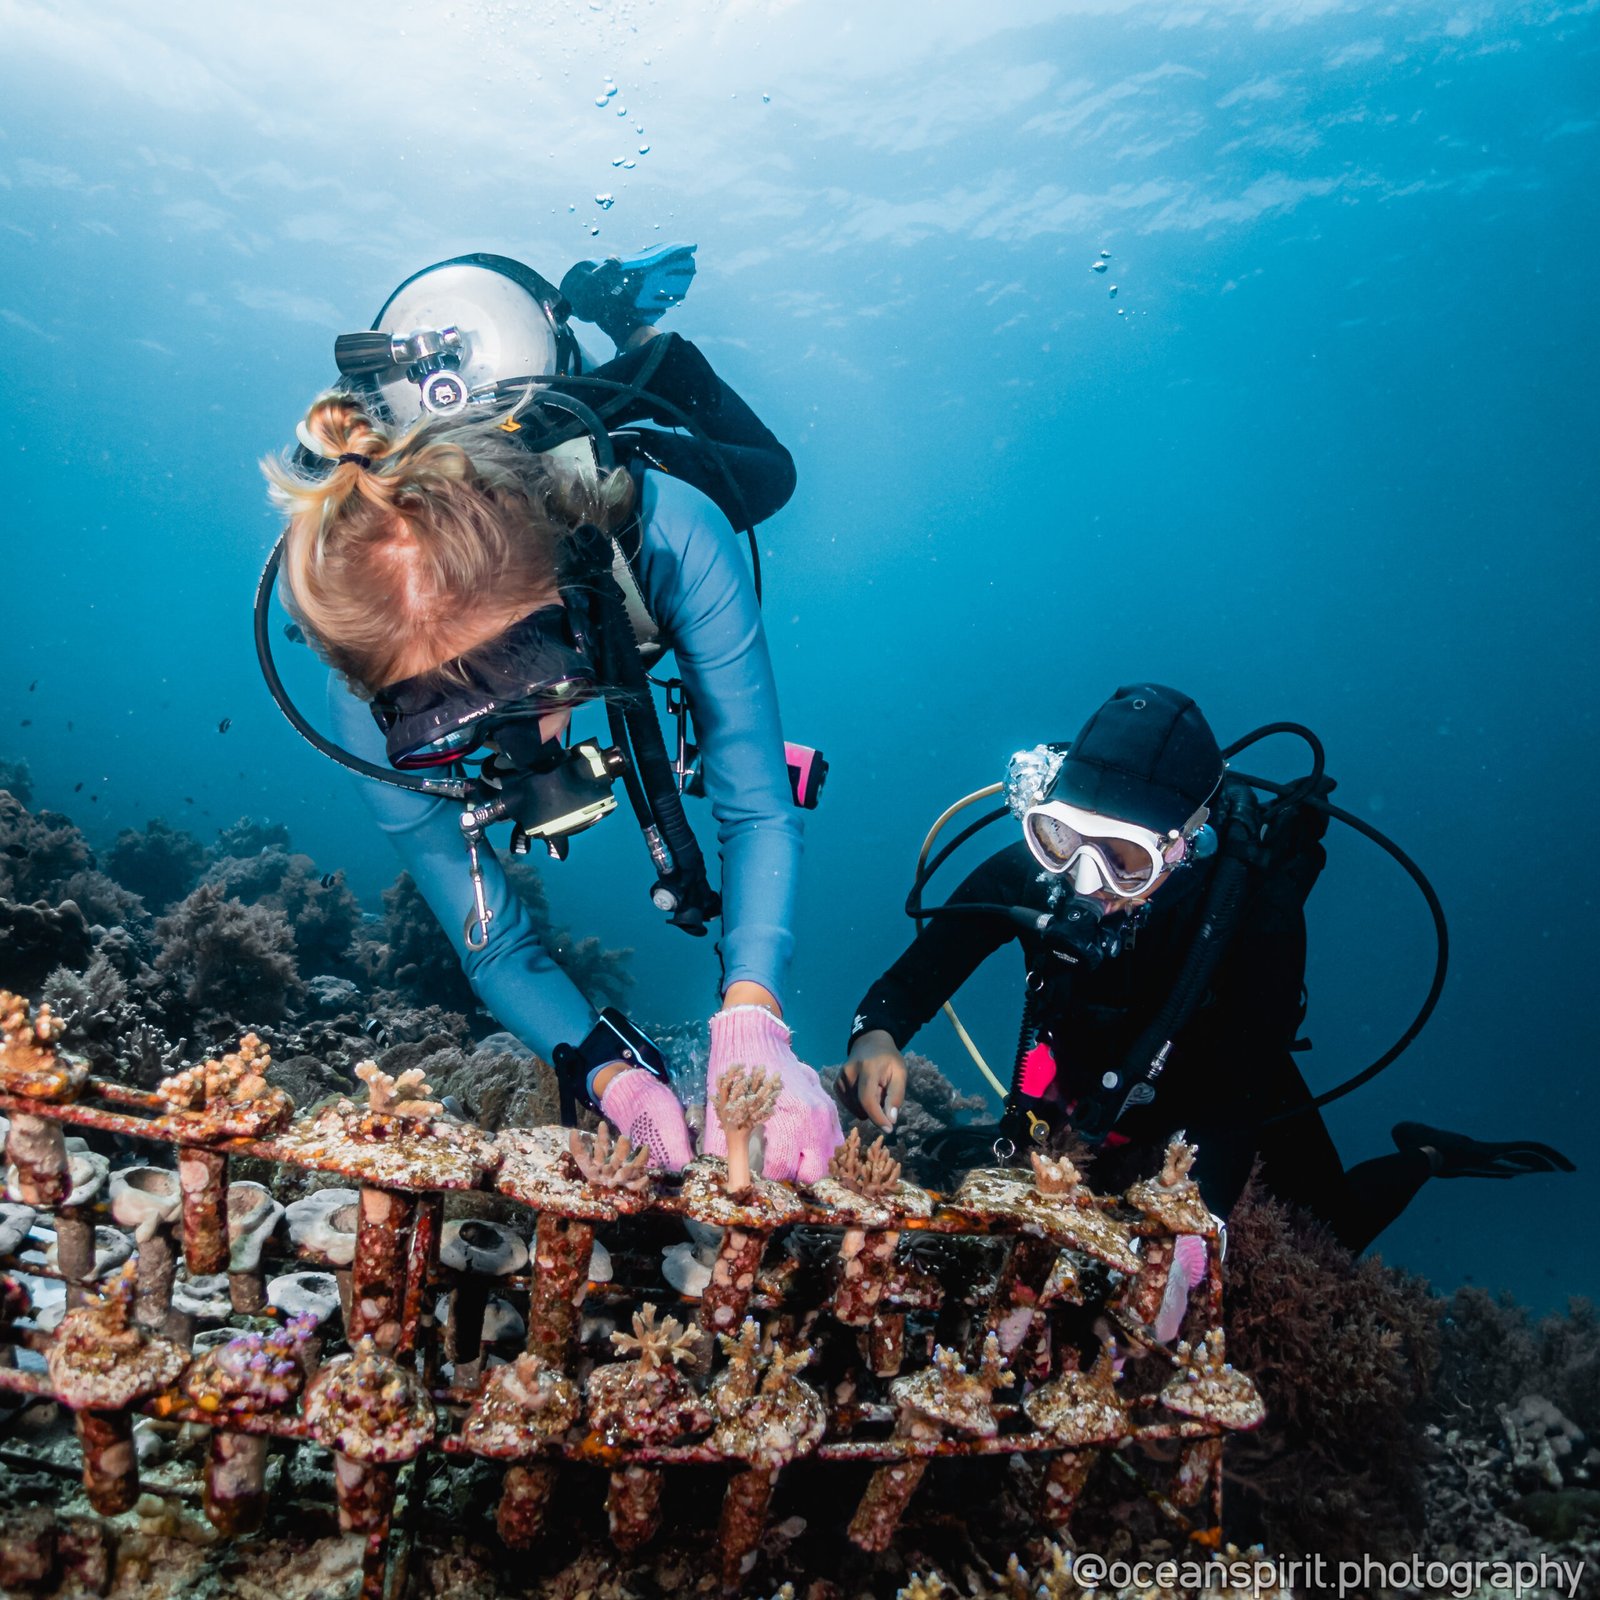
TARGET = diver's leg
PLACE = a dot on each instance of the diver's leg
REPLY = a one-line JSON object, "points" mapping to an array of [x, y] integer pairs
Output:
{"points": [[1300, 1164]]}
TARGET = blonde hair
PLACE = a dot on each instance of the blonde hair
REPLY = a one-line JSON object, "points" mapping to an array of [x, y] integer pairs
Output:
{"points": [[397, 553]]}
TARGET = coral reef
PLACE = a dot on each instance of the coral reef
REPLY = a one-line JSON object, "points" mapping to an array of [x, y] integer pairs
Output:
{"points": [[158, 863], [39, 851], [235, 963], [323, 916], [40, 937], [1343, 1350]]}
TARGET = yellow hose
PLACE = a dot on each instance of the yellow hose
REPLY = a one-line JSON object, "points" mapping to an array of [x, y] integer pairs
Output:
{"points": [[948, 1009]]}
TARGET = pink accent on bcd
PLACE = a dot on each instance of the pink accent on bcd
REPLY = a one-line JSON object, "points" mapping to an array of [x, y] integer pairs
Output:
{"points": [[1038, 1071]]}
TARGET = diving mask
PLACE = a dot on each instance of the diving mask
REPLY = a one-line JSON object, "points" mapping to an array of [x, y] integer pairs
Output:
{"points": [[1101, 854], [521, 675]]}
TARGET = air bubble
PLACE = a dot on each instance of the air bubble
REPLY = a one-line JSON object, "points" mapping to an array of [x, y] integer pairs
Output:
{"points": [[600, 99], [766, 99], [1113, 294], [628, 166], [594, 228], [1105, 255], [606, 201], [644, 149], [618, 161], [1097, 266]]}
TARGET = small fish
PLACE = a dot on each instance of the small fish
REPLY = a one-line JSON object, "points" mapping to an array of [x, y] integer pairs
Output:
{"points": [[328, 879], [225, 724], [94, 799], [69, 727], [32, 686], [27, 722], [77, 788], [188, 799]]}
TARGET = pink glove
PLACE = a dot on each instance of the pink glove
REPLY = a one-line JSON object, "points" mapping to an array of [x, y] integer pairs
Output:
{"points": [[801, 1135], [647, 1114]]}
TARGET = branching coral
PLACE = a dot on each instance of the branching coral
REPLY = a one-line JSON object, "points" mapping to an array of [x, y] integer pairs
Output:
{"points": [[397, 1097], [230, 1095], [30, 1062], [873, 1174], [655, 1344], [745, 1097], [608, 1165], [234, 963]]}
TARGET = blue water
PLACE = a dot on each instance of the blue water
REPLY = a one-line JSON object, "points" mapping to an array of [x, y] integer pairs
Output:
{"points": [[1329, 454]]}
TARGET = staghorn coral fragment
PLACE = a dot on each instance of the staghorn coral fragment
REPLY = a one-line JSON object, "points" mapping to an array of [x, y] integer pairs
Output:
{"points": [[1082, 1408], [538, 1167], [874, 1174], [1208, 1388], [100, 1363], [228, 1098], [745, 1097], [644, 1401], [766, 1417], [943, 1397], [1171, 1201], [764, 1414], [397, 1097], [608, 1165], [1066, 1214], [31, 1064]]}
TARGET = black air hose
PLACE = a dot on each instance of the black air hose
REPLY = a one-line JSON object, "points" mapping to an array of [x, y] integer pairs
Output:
{"points": [[1238, 849], [623, 666]]}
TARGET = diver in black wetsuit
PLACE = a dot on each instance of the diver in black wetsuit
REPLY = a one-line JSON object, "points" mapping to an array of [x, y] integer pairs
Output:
{"points": [[1163, 942]]}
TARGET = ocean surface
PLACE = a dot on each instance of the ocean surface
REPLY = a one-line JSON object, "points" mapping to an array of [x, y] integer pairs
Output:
{"points": [[1319, 443]]}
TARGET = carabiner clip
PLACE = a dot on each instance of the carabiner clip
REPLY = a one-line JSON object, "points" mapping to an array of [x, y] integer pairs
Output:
{"points": [[475, 930]]}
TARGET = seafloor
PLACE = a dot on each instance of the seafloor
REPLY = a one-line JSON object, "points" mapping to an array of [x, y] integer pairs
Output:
{"points": [[1401, 1426]]}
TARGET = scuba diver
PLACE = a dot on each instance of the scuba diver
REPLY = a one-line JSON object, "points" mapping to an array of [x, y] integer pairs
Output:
{"points": [[1159, 904], [486, 532]]}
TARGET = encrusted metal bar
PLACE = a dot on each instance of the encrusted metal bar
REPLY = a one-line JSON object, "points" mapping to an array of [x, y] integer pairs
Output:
{"points": [[378, 1274], [203, 1182], [561, 1250]]}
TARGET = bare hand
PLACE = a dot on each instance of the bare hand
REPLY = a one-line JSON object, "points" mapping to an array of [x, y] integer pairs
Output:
{"points": [[873, 1080]]}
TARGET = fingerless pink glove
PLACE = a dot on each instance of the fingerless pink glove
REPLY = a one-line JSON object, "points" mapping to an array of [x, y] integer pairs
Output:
{"points": [[647, 1114], [801, 1135]]}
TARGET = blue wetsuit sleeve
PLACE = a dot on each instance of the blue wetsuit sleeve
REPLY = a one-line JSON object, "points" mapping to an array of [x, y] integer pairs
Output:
{"points": [[513, 975], [699, 590]]}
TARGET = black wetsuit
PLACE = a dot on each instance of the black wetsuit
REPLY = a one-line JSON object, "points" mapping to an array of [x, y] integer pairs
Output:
{"points": [[746, 450], [1230, 1067]]}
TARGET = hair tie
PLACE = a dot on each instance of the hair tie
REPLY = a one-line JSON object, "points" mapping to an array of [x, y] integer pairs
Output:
{"points": [[364, 462]]}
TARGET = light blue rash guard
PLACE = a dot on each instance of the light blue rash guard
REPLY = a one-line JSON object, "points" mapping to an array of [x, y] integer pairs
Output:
{"points": [[698, 588]]}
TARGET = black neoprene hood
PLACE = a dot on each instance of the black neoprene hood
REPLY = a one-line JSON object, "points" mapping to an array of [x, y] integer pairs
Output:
{"points": [[1146, 756]]}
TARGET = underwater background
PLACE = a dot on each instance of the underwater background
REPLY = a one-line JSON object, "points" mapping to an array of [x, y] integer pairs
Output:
{"points": [[1328, 453]]}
